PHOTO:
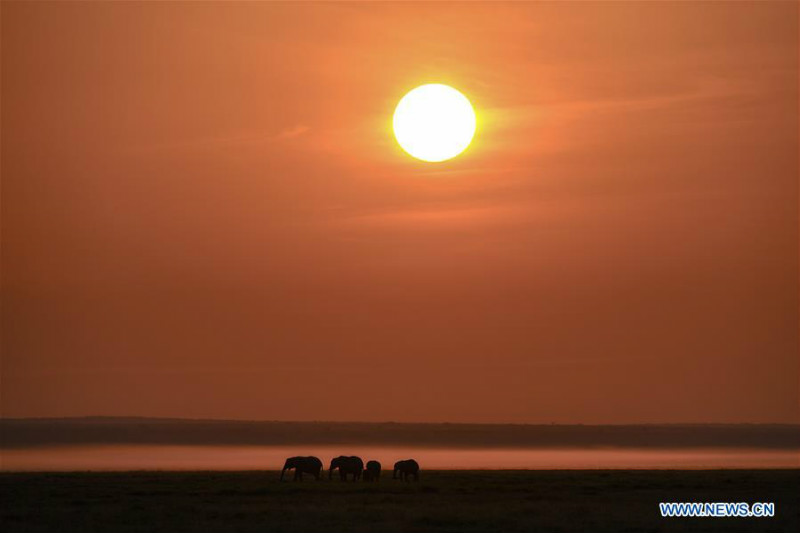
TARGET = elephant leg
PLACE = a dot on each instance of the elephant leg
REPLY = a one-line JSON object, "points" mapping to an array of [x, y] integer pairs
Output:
{"points": [[296, 475]]}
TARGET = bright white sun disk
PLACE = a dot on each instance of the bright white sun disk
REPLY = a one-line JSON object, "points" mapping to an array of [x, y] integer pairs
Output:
{"points": [[434, 122]]}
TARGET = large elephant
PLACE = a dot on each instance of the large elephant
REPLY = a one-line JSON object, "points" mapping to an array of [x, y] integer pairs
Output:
{"points": [[303, 465], [406, 468], [373, 471], [346, 465]]}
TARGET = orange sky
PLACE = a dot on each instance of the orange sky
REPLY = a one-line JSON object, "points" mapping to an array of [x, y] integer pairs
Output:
{"points": [[204, 213]]}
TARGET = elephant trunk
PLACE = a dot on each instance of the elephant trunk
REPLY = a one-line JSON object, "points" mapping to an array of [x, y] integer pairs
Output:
{"points": [[283, 472]]}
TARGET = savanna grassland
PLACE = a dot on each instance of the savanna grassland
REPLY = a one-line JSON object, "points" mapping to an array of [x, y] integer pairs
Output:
{"points": [[457, 501]]}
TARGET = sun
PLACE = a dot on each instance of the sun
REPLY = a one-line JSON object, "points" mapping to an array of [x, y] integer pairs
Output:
{"points": [[434, 122]]}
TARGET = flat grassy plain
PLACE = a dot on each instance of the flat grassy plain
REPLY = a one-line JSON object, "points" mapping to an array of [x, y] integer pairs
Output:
{"points": [[457, 501]]}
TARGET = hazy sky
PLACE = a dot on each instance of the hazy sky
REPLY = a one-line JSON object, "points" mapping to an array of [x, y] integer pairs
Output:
{"points": [[205, 214]]}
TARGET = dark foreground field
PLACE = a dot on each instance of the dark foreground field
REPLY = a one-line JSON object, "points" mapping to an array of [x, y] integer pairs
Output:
{"points": [[455, 501]]}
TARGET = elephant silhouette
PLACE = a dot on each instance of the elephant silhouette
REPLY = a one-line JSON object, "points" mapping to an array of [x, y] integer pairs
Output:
{"points": [[302, 465], [406, 468], [346, 465], [373, 471]]}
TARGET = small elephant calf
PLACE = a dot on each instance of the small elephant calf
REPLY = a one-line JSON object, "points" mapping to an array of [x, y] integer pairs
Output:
{"points": [[373, 471]]}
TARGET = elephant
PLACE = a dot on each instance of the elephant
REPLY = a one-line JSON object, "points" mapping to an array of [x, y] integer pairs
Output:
{"points": [[409, 467], [346, 465], [373, 471], [301, 465]]}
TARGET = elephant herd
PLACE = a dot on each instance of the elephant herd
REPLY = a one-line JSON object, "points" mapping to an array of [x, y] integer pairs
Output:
{"points": [[349, 466]]}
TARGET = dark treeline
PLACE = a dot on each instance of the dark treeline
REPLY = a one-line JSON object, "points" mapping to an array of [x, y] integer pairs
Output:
{"points": [[26, 433]]}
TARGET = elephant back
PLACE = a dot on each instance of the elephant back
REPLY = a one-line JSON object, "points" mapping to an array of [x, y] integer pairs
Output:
{"points": [[355, 464], [407, 465], [348, 464]]}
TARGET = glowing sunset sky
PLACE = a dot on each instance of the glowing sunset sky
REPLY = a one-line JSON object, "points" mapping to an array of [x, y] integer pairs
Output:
{"points": [[205, 213]]}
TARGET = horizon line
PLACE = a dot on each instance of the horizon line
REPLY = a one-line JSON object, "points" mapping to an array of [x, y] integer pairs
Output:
{"points": [[365, 422]]}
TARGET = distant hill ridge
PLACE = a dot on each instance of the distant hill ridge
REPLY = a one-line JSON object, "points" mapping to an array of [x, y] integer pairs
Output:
{"points": [[39, 432]]}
